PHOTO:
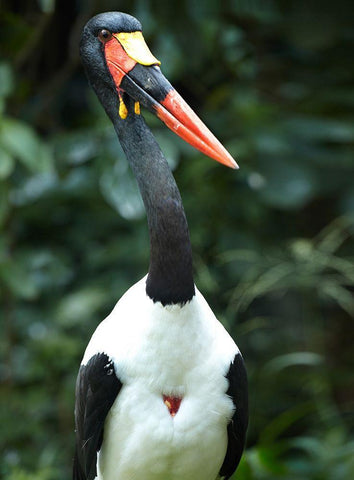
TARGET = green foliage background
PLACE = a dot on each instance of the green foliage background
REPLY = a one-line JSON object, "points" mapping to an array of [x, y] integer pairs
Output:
{"points": [[273, 242]]}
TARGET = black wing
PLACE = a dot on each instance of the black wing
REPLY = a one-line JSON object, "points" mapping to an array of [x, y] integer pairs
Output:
{"points": [[96, 389], [236, 429]]}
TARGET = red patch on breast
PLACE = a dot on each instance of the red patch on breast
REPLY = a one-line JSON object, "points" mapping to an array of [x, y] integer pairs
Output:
{"points": [[172, 403]]}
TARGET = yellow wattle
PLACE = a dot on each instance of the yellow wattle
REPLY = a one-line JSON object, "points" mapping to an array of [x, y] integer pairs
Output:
{"points": [[123, 111]]}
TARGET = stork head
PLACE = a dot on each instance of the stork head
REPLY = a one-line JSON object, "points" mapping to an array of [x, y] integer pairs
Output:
{"points": [[124, 74]]}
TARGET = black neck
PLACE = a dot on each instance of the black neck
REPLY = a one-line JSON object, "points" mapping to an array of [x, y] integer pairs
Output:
{"points": [[170, 278]]}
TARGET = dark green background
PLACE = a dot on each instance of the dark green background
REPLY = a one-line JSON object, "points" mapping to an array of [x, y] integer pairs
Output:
{"points": [[273, 242]]}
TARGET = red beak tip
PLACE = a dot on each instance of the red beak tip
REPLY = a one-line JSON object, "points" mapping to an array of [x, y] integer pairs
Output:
{"points": [[229, 162], [235, 166]]}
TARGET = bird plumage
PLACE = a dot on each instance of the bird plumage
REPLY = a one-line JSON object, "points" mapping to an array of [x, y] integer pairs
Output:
{"points": [[156, 350], [162, 389]]}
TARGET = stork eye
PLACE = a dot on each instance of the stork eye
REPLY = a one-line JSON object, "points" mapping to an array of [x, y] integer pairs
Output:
{"points": [[104, 35]]}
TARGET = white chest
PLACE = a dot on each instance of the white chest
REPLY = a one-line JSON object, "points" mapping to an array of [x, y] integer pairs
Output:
{"points": [[158, 351]]}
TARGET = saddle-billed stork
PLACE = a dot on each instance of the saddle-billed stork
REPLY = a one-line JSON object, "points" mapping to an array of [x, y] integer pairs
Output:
{"points": [[161, 392]]}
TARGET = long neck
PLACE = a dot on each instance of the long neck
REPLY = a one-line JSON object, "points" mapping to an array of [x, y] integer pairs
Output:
{"points": [[170, 278]]}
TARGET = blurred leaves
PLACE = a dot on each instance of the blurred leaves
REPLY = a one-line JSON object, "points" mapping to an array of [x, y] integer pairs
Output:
{"points": [[20, 141], [303, 265], [6, 80], [273, 242]]}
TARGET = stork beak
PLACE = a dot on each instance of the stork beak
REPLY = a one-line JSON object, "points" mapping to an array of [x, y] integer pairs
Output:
{"points": [[141, 78]]}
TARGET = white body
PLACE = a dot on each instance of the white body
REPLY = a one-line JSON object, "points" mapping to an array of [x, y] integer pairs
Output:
{"points": [[173, 350]]}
